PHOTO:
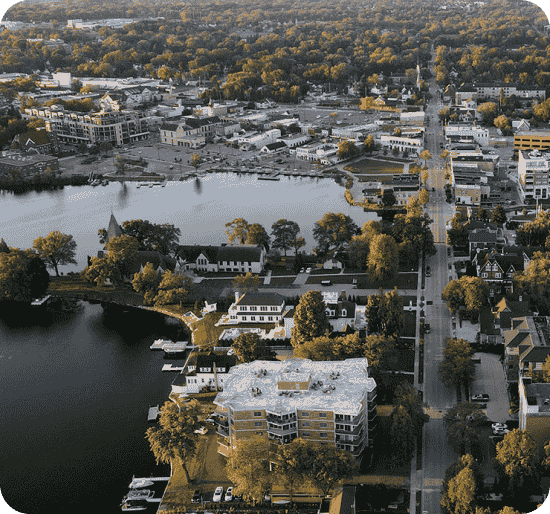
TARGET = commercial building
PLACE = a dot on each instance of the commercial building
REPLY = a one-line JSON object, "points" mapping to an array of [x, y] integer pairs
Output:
{"points": [[413, 146], [332, 403], [115, 127], [524, 140], [467, 134], [404, 187], [23, 166], [190, 132], [533, 173]]}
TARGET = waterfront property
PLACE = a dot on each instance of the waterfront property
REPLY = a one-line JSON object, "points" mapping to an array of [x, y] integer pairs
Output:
{"points": [[329, 402], [235, 258], [28, 165]]}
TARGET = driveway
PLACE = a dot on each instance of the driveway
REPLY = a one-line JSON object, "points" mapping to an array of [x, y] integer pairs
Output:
{"points": [[490, 379]]}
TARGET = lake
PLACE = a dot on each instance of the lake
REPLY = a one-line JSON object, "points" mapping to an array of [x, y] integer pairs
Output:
{"points": [[199, 208]]}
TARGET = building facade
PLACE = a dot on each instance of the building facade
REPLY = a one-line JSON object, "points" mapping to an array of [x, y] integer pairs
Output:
{"points": [[332, 403], [26, 166], [533, 172]]}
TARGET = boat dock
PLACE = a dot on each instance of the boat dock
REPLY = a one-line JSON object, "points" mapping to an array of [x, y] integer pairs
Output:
{"points": [[153, 413], [177, 347], [159, 343], [170, 367]]}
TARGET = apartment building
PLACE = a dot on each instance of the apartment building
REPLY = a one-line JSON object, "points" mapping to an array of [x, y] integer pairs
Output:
{"points": [[330, 402], [533, 172], [467, 134], [115, 127], [483, 91]]}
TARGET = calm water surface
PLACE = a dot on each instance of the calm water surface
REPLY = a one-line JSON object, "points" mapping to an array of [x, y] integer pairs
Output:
{"points": [[76, 386]]}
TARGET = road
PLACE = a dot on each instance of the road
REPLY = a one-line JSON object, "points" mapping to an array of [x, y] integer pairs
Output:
{"points": [[437, 454]]}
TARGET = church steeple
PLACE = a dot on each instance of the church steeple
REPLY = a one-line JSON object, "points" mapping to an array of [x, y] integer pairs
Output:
{"points": [[114, 229]]}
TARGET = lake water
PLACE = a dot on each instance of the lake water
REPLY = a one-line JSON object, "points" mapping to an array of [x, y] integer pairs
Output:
{"points": [[76, 386], [199, 208]]}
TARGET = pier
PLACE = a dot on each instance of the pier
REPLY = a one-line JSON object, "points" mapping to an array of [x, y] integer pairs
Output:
{"points": [[170, 367], [153, 413]]}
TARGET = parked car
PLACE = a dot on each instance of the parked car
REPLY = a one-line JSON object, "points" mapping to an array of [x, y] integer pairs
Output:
{"points": [[500, 431], [218, 493], [308, 270], [201, 431], [229, 494], [482, 397], [427, 328], [197, 496], [496, 426]]}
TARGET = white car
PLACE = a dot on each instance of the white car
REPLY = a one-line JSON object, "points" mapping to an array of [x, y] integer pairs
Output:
{"points": [[201, 431], [499, 426], [218, 493], [229, 494], [500, 431], [308, 270]]}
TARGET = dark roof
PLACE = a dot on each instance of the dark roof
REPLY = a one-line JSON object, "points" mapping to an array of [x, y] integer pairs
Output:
{"points": [[276, 145], [206, 360], [113, 230], [202, 122], [518, 339], [537, 354], [143, 258], [192, 252], [240, 253], [261, 299], [172, 127]]}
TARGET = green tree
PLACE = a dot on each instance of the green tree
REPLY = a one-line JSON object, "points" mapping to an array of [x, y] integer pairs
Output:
{"points": [[333, 231], [358, 251], [248, 283], [535, 281], [535, 232], [468, 292], [498, 215], [502, 122], [379, 351], [237, 230], [249, 467], [147, 282], [316, 349], [402, 434], [369, 144], [23, 275], [426, 155], [388, 198], [258, 236], [457, 367], [174, 438], [121, 249], [383, 260], [384, 313], [489, 111], [163, 238], [56, 249], [457, 235], [310, 318], [173, 289], [285, 234], [98, 271], [520, 459], [463, 422], [346, 149], [250, 347], [423, 197], [409, 398]]}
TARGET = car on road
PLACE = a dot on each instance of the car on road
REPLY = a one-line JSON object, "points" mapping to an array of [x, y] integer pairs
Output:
{"points": [[481, 397], [427, 328], [302, 270], [197, 496], [496, 426], [229, 494], [218, 493], [308, 270], [201, 431]]}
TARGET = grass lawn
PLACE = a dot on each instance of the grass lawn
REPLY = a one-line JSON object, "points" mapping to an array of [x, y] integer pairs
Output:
{"points": [[280, 281], [205, 331]]}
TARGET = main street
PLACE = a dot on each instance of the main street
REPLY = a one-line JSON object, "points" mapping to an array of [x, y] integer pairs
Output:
{"points": [[437, 453]]}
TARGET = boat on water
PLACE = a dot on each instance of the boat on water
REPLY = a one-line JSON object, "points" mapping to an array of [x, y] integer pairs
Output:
{"points": [[153, 413], [159, 343], [137, 483], [130, 505], [139, 494], [172, 348]]}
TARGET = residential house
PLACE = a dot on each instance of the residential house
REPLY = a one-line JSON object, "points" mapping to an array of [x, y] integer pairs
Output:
{"points": [[234, 258], [36, 140], [498, 269], [506, 310], [257, 307], [208, 370], [340, 312], [534, 409], [481, 238], [328, 402]]}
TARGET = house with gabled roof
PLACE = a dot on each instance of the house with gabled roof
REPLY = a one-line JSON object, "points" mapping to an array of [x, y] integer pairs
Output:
{"points": [[233, 258], [258, 307], [36, 140], [498, 270], [506, 310]]}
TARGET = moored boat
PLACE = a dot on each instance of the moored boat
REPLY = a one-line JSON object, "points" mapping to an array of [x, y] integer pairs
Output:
{"points": [[131, 505]]}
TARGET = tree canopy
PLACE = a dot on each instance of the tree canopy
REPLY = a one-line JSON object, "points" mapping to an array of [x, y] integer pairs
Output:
{"points": [[457, 367], [332, 231], [310, 318], [23, 275], [56, 249]]}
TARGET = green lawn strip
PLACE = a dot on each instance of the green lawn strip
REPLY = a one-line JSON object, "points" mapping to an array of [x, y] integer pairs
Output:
{"points": [[280, 281]]}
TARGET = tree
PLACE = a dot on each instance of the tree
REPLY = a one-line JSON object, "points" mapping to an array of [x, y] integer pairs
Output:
{"points": [[426, 155], [346, 149], [285, 235], [369, 144], [502, 122], [173, 289], [409, 398], [463, 422], [401, 432], [195, 160], [121, 249], [333, 231], [147, 282], [383, 260], [98, 271], [379, 351], [56, 249], [457, 235], [258, 236], [246, 283], [519, 457], [249, 467], [468, 292], [174, 437], [23, 275], [250, 347], [457, 490], [237, 230], [388, 198], [423, 196], [152, 236], [457, 367], [384, 313], [310, 318], [498, 215], [358, 251], [489, 111]]}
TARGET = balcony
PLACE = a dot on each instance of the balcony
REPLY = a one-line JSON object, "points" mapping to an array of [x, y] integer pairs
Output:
{"points": [[281, 431], [350, 430], [222, 431], [348, 420], [280, 420]]}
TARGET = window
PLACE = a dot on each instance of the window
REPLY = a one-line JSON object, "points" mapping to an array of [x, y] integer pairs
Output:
{"points": [[262, 318], [258, 423], [306, 434], [254, 309], [305, 414], [306, 423], [257, 413], [322, 414], [270, 318], [244, 318], [323, 425], [263, 308], [323, 434], [252, 318]]}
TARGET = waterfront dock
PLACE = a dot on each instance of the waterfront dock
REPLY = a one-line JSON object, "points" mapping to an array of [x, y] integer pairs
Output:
{"points": [[153, 413], [159, 344], [170, 367], [177, 347]]}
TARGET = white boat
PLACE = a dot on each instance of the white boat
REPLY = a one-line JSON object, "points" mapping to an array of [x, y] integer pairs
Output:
{"points": [[177, 347], [136, 483], [139, 494]]}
